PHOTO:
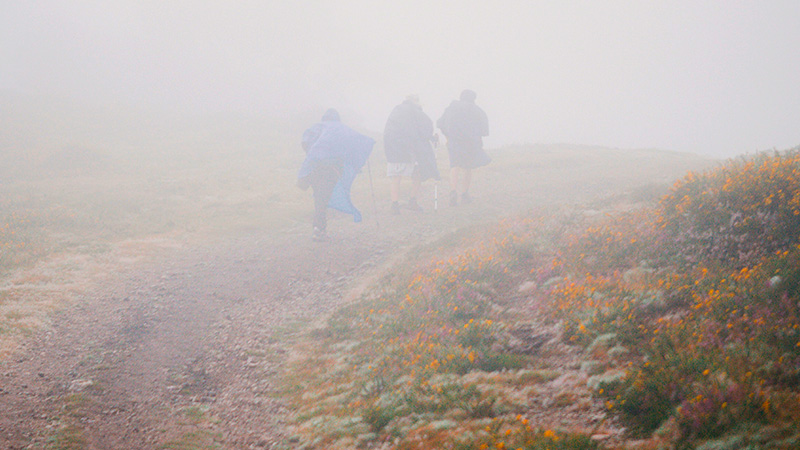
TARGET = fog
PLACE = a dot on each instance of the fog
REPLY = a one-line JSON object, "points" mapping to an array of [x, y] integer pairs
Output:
{"points": [[717, 78]]}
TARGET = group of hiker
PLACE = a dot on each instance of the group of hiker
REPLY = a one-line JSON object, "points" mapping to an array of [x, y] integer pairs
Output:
{"points": [[335, 153]]}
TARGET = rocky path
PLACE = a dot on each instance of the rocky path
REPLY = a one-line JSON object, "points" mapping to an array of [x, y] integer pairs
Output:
{"points": [[180, 349], [195, 326]]}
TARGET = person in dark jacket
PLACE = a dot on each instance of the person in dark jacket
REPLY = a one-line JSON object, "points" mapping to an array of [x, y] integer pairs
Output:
{"points": [[464, 124], [407, 141], [335, 153]]}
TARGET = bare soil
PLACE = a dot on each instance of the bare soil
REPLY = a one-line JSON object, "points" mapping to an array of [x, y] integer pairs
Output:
{"points": [[180, 346]]}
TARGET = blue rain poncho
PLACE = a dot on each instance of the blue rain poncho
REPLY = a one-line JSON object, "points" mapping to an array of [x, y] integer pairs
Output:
{"points": [[332, 142]]}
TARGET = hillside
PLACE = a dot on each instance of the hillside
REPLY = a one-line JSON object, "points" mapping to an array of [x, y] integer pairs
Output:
{"points": [[156, 304], [639, 325]]}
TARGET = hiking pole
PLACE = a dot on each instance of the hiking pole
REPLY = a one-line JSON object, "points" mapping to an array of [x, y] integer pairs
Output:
{"points": [[435, 142], [372, 190], [435, 196]]}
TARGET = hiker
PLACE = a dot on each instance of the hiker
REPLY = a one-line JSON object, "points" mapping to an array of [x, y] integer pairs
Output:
{"points": [[464, 124], [335, 154], [407, 141]]}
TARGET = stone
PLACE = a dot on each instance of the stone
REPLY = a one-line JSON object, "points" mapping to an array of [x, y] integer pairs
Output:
{"points": [[592, 367], [443, 424], [526, 287], [80, 384], [610, 377], [604, 341]]}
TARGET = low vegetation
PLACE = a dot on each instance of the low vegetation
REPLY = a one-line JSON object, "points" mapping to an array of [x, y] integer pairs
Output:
{"points": [[79, 206], [64, 212], [680, 319]]}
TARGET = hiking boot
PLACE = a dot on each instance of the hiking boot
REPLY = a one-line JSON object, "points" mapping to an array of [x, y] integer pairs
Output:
{"points": [[396, 208], [454, 198], [413, 206], [319, 235], [466, 198]]}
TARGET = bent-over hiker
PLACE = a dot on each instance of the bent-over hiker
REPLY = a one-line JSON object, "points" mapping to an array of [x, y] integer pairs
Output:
{"points": [[335, 154]]}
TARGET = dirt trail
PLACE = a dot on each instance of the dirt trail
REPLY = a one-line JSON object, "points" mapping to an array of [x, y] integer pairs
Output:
{"points": [[190, 327], [195, 329]]}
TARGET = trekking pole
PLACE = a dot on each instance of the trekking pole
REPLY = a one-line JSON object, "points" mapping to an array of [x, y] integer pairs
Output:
{"points": [[435, 180], [372, 190], [435, 196]]}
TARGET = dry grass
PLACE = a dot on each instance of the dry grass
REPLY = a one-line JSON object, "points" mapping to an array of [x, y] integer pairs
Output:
{"points": [[69, 213], [64, 225]]}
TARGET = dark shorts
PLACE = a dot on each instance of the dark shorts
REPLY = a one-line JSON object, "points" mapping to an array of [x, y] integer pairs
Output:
{"points": [[467, 156]]}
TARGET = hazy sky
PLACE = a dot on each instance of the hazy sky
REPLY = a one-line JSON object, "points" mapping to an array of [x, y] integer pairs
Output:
{"points": [[712, 77]]}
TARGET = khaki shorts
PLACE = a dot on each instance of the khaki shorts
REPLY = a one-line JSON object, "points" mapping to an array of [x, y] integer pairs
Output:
{"points": [[401, 169]]}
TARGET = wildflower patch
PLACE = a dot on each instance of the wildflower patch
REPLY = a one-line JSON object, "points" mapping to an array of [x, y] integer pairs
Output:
{"points": [[678, 320]]}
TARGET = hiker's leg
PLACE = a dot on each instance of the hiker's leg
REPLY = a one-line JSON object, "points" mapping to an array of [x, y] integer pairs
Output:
{"points": [[394, 188], [466, 180], [454, 172], [416, 182], [325, 178], [320, 221]]}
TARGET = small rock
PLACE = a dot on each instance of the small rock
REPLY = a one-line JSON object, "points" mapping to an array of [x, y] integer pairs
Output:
{"points": [[637, 275], [592, 367], [618, 351], [604, 341], [80, 384], [443, 424], [367, 437], [609, 377]]}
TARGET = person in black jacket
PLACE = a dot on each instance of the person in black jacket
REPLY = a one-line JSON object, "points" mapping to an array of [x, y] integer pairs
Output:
{"points": [[407, 141], [464, 124]]}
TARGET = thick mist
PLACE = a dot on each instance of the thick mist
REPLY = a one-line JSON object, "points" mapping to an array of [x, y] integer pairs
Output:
{"points": [[165, 284], [711, 77]]}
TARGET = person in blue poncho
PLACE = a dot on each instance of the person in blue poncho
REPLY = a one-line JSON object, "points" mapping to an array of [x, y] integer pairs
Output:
{"points": [[464, 124], [335, 154], [407, 139]]}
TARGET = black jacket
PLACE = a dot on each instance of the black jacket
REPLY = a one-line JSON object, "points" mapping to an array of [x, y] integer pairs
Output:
{"points": [[407, 138]]}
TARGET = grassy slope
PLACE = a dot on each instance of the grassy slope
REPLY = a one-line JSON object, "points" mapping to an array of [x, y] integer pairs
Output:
{"points": [[80, 190], [678, 321]]}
